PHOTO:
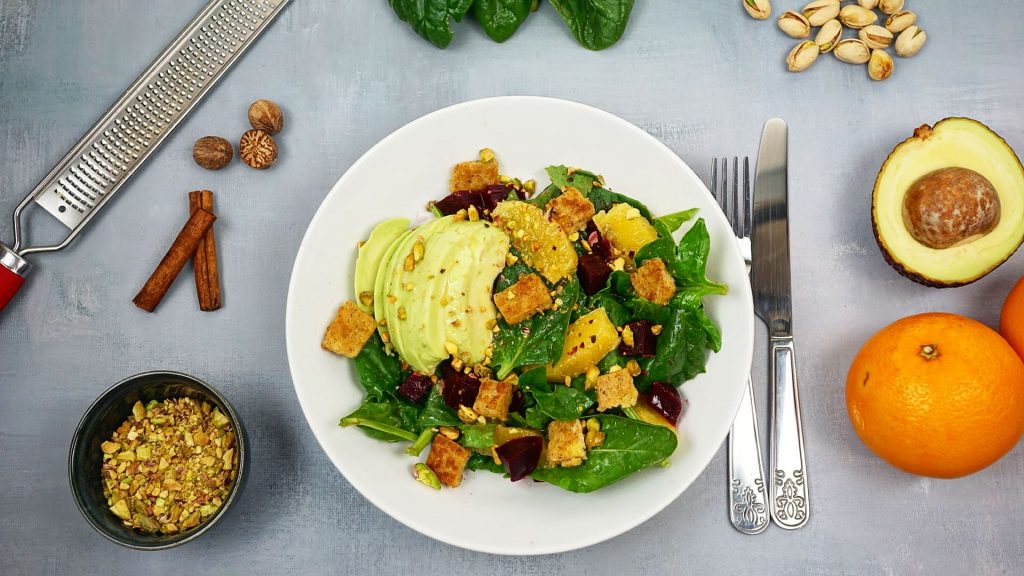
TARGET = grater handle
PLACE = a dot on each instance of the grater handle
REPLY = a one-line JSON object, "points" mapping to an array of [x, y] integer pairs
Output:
{"points": [[10, 283]]}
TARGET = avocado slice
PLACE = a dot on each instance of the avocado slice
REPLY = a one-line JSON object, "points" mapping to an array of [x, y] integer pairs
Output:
{"points": [[369, 259], [948, 204]]}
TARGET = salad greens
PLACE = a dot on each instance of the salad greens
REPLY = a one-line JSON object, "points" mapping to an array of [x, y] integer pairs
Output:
{"points": [[596, 24], [524, 353]]}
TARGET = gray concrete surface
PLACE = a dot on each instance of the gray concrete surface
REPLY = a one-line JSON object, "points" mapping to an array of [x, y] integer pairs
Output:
{"points": [[700, 76]]}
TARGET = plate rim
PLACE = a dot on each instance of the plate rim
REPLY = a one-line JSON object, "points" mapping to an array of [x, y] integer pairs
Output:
{"points": [[392, 511]]}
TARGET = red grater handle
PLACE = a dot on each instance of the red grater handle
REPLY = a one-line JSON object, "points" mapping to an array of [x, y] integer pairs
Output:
{"points": [[10, 283]]}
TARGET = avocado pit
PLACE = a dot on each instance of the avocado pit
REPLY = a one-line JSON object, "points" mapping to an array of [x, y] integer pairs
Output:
{"points": [[950, 206]]}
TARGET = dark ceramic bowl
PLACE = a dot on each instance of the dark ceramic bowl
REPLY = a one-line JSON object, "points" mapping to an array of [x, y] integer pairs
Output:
{"points": [[104, 416]]}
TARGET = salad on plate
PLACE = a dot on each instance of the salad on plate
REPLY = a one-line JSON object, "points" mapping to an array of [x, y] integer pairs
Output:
{"points": [[533, 335]]}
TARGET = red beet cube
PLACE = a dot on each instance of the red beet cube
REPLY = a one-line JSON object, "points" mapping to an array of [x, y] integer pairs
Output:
{"points": [[415, 388], [460, 389], [521, 456], [598, 243], [593, 273], [665, 399], [645, 343], [496, 193], [456, 201]]}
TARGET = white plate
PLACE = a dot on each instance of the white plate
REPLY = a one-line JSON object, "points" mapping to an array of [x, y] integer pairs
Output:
{"points": [[396, 178]]}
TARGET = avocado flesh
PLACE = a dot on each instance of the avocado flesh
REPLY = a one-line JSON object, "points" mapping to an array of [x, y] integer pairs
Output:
{"points": [[954, 142], [446, 297], [371, 253]]}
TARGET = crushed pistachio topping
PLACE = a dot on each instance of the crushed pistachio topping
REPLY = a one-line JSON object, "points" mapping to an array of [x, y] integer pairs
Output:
{"points": [[170, 465]]}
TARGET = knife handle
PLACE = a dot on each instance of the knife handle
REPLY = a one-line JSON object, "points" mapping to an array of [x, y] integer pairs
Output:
{"points": [[789, 503]]}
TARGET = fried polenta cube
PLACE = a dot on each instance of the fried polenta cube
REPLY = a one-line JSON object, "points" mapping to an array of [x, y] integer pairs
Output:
{"points": [[653, 282], [523, 299], [473, 176], [571, 211], [447, 459], [566, 444], [616, 390], [349, 331], [493, 399]]}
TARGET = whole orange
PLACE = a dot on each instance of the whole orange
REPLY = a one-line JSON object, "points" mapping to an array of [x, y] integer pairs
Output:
{"points": [[1011, 322], [937, 395]]}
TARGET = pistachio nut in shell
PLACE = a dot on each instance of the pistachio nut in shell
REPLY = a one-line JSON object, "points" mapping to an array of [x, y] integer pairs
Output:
{"points": [[795, 24], [880, 65], [857, 17], [829, 35], [890, 6], [869, 4], [910, 41], [852, 51], [758, 9], [802, 56], [900, 21], [875, 36], [820, 11]]}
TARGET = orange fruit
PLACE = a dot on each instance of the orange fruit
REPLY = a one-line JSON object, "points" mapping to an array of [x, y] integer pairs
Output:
{"points": [[937, 395], [1011, 322]]}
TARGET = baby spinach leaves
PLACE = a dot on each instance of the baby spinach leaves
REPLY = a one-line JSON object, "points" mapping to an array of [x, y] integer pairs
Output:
{"points": [[629, 446], [596, 24], [430, 18], [501, 18], [538, 340]]}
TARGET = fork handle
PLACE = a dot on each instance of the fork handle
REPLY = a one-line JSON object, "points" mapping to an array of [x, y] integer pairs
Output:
{"points": [[748, 506], [789, 499]]}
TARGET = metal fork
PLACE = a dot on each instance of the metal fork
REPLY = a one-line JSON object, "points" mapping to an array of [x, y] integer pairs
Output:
{"points": [[748, 499]]}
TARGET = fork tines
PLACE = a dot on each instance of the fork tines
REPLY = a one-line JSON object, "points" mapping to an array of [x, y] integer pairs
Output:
{"points": [[735, 207]]}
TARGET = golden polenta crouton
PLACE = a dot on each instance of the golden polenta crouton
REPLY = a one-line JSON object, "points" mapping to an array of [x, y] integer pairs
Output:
{"points": [[472, 176], [493, 399], [566, 444], [447, 459], [571, 211], [349, 331], [523, 299], [615, 390], [653, 282]]}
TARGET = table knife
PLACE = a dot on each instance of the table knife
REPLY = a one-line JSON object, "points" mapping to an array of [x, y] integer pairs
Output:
{"points": [[788, 496]]}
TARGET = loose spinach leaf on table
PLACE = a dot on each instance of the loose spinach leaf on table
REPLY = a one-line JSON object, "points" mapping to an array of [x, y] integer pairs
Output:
{"points": [[596, 24], [379, 373], [629, 446], [538, 340], [501, 18], [429, 18]]}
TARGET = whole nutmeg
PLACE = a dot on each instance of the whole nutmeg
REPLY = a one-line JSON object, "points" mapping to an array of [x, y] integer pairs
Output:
{"points": [[212, 152], [257, 149], [265, 115]]}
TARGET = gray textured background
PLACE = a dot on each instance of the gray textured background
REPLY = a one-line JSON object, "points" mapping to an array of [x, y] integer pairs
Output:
{"points": [[700, 76]]}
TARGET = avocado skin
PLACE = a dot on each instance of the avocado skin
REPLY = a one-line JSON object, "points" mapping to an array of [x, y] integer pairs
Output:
{"points": [[889, 258]]}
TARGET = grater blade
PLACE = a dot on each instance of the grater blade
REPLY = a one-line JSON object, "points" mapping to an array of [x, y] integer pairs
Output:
{"points": [[95, 168]]}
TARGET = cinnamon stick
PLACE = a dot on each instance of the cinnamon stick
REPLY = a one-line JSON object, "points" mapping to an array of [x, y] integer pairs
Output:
{"points": [[181, 250], [205, 260]]}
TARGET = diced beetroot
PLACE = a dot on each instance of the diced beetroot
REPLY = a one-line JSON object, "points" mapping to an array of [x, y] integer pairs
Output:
{"points": [[521, 456], [644, 341], [598, 243], [459, 388], [496, 193], [593, 273], [415, 388], [665, 399], [456, 201], [517, 400]]}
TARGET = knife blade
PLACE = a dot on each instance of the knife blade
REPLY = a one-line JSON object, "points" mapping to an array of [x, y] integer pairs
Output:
{"points": [[771, 283]]}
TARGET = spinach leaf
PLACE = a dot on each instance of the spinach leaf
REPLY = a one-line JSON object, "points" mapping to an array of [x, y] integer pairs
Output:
{"points": [[596, 24], [538, 340], [673, 221], [693, 261], [501, 18], [436, 412], [477, 436], [581, 180], [379, 373], [388, 421], [552, 401], [603, 199], [617, 313], [429, 18], [481, 462], [629, 445], [511, 274], [680, 354], [550, 193]]}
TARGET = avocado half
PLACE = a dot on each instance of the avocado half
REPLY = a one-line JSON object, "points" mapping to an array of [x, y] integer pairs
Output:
{"points": [[959, 143]]}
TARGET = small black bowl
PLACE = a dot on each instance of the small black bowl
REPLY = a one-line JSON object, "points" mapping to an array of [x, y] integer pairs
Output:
{"points": [[104, 416]]}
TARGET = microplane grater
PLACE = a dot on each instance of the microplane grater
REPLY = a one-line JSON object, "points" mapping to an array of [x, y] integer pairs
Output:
{"points": [[125, 136]]}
